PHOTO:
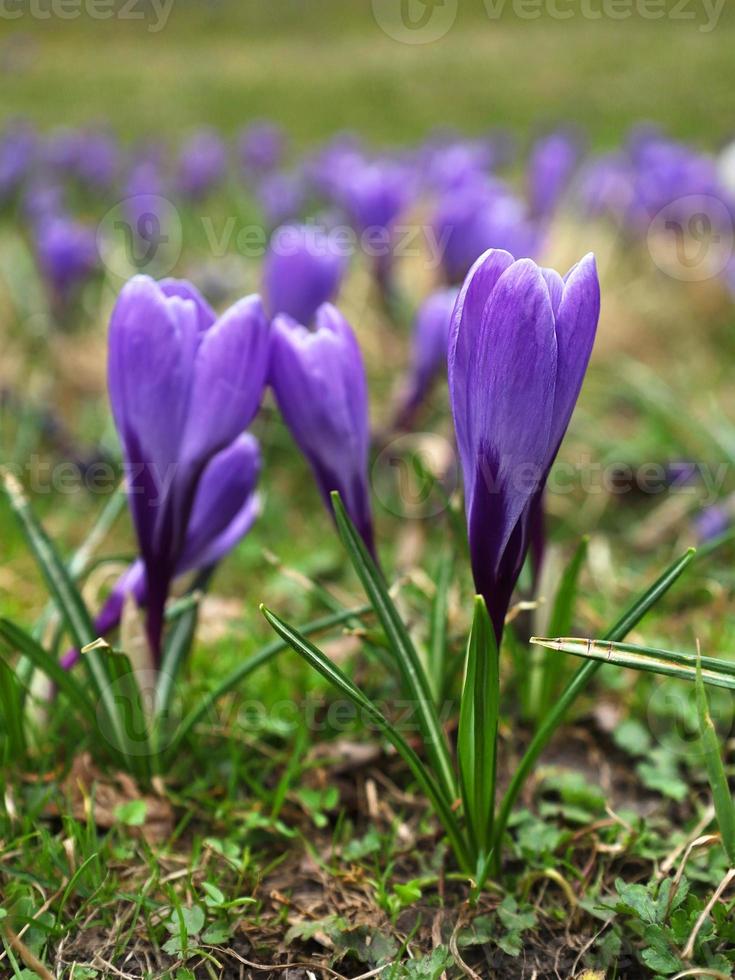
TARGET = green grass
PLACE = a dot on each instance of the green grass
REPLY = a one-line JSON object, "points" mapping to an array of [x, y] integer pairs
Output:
{"points": [[286, 830]]}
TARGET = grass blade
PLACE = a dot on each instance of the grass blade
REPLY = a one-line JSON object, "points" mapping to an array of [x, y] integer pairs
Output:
{"points": [[413, 675], [628, 621], [70, 603], [478, 729], [438, 628], [721, 796], [717, 673], [237, 676], [23, 643], [11, 706], [560, 623], [316, 659]]}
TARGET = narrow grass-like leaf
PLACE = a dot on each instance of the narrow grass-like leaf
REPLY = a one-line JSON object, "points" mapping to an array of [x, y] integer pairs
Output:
{"points": [[721, 796], [716, 673], [628, 621], [478, 729], [131, 735], [70, 603], [11, 706], [415, 681], [207, 703], [438, 627], [23, 643], [320, 662]]}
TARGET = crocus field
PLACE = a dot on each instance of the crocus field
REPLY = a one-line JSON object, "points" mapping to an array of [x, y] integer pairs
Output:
{"points": [[367, 506]]}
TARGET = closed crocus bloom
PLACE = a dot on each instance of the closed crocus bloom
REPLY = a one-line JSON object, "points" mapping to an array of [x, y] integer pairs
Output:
{"points": [[429, 350], [202, 164], [477, 216], [183, 386], [67, 255], [520, 341], [261, 148], [225, 508], [302, 270], [318, 378], [550, 169]]}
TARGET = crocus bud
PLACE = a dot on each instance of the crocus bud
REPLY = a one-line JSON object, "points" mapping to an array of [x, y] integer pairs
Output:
{"points": [[225, 508], [302, 271], [520, 341], [550, 169], [429, 350], [183, 386], [319, 382], [67, 255], [202, 164]]}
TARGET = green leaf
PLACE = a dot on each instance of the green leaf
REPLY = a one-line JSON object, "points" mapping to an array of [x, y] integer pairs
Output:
{"points": [[628, 621], [669, 663], [68, 599], [560, 622], [478, 729], [11, 711], [132, 813], [438, 627], [341, 682], [18, 640], [415, 682], [208, 701], [636, 900], [724, 806]]}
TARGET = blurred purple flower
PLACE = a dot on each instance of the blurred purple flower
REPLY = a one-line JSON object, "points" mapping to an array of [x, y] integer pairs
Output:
{"points": [[67, 254], [711, 522], [202, 164], [18, 154], [552, 163], [429, 351], [225, 508], [183, 386], [478, 216], [261, 148], [318, 378], [281, 196], [301, 271], [520, 341]]}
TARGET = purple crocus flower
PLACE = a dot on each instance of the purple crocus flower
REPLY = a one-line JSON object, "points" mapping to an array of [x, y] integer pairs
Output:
{"points": [[18, 152], [225, 508], [67, 255], [183, 385], [318, 378], [261, 148], [202, 164], [480, 215], [429, 351], [302, 270], [374, 195], [552, 163], [711, 522], [520, 341], [281, 196]]}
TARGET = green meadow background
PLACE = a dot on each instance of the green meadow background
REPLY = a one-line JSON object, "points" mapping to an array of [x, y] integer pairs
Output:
{"points": [[318, 66]]}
